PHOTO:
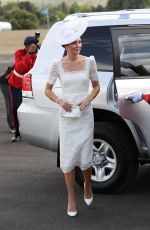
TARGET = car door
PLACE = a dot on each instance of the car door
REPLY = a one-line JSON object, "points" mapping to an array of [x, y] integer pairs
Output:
{"points": [[131, 54]]}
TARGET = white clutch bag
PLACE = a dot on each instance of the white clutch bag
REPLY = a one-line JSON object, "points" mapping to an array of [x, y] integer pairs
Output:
{"points": [[76, 112]]}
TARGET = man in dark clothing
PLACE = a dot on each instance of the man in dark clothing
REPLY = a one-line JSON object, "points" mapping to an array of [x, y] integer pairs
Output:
{"points": [[5, 91], [24, 61], [6, 94]]}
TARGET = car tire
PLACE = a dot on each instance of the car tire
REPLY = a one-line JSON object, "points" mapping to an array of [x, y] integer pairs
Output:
{"points": [[115, 160]]}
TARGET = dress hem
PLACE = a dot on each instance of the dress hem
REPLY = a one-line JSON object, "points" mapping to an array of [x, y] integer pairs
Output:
{"points": [[82, 169]]}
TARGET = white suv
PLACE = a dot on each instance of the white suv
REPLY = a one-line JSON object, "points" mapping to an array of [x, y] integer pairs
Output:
{"points": [[120, 42]]}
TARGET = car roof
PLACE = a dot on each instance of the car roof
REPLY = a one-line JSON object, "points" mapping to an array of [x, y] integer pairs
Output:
{"points": [[122, 17], [116, 18]]}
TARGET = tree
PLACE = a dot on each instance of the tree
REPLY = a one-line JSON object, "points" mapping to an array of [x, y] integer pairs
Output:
{"points": [[21, 19], [136, 4], [127, 4], [97, 8], [1, 11], [22, 15], [27, 6], [74, 8], [57, 13], [85, 8], [114, 5]]}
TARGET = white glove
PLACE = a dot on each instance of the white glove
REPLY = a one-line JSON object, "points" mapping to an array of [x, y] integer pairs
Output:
{"points": [[134, 97]]}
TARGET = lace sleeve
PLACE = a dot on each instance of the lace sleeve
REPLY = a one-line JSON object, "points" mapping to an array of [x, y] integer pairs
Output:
{"points": [[53, 73], [93, 69]]}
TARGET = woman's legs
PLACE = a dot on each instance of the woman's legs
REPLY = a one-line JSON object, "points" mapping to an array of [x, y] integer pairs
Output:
{"points": [[70, 184], [87, 183], [70, 181]]}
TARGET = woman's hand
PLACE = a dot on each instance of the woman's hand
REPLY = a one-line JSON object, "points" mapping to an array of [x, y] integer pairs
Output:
{"points": [[84, 103], [65, 105]]}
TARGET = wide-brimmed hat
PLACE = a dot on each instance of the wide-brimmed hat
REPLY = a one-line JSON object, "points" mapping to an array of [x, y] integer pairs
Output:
{"points": [[71, 30]]}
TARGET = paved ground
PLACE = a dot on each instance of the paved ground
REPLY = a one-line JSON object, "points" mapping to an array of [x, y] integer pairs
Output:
{"points": [[33, 194]]}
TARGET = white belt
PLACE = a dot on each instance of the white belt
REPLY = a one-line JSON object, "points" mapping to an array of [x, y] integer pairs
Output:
{"points": [[17, 74]]}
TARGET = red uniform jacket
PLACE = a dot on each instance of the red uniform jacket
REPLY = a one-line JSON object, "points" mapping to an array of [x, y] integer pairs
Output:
{"points": [[146, 97], [23, 63]]}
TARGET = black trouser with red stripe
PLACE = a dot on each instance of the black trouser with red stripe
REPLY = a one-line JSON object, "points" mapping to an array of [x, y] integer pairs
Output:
{"points": [[16, 100]]}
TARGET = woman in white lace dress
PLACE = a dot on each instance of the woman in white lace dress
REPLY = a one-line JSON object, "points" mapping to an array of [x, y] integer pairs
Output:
{"points": [[76, 115]]}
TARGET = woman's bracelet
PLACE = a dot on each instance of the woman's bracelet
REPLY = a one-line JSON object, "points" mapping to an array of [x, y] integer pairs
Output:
{"points": [[58, 100]]}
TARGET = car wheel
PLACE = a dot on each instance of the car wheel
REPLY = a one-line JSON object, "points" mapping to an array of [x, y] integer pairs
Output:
{"points": [[115, 159]]}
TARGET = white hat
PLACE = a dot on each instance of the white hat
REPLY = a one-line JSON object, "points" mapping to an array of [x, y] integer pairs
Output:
{"points": [[71, 30]]}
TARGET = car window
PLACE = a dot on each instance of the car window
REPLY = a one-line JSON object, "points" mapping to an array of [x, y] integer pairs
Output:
{"points": [[134, 54], [97, 42]]}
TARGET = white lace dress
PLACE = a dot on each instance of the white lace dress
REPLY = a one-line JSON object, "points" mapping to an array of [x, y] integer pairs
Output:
{"points": [[75, 129]]}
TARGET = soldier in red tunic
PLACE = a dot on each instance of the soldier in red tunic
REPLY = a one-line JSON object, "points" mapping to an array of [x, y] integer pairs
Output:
{"points": [[24, 61], [146, 97]]}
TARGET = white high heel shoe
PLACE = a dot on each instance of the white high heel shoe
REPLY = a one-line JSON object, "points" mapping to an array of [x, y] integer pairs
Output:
{"points": [[88, 201], [72, 214]]}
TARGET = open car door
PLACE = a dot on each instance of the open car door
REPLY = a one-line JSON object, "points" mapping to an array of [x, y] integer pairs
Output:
{"points": [[131, 49]]}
